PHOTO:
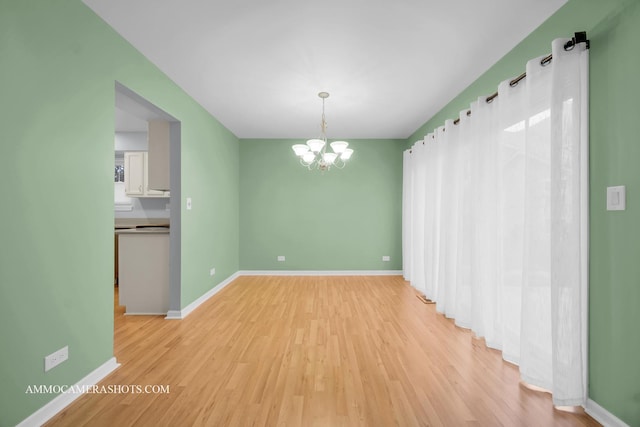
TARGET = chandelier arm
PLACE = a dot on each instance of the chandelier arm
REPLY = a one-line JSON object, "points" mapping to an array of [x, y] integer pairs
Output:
{"points": [[313, 164]]}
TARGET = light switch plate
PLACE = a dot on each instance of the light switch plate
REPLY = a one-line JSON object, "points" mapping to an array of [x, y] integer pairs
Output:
{"points": [[188, 203], [616, 198]]}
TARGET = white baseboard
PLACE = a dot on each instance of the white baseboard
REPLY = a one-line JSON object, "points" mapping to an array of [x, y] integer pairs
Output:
{"points": [[601, 415], [181, 314], [320, 272], [174, 315], [63, 400], [145, 314]]}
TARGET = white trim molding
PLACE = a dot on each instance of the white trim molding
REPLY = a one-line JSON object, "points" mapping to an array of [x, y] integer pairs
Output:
{"points": [[601, 415], [181, 314], [321, 273], [63, 400], [174, 315]]}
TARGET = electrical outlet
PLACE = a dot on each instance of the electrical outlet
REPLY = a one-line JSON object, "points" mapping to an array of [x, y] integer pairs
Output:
{"points": [[281, 258], [56, 358], [212, 272], [386, 258]]}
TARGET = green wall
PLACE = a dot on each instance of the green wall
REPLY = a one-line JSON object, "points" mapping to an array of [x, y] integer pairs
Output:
{"points": [[344, 219], [613, 28], [615, 236], [59, 64]]}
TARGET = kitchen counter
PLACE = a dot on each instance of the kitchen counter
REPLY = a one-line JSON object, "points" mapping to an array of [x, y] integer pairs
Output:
{"points": [[123, 223], [143, 230], [135, 226], [143, 264]]}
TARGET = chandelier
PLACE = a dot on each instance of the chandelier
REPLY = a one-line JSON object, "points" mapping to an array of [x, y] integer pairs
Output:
{"points": [[314, 154]]}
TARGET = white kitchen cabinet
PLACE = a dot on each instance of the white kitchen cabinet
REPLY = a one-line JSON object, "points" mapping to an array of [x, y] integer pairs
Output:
{"points": [[158, 157], [143, 270], [134, 173], [136, 182]]}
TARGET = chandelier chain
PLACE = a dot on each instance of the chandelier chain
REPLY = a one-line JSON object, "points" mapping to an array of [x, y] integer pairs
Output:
{"points": [[323, 126]]}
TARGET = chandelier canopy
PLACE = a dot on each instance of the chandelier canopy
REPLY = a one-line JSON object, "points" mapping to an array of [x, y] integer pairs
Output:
{"points": [[314, 154]]}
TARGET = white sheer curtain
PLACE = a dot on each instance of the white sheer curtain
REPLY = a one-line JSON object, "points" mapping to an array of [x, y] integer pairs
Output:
{"points": [[495, 221]]}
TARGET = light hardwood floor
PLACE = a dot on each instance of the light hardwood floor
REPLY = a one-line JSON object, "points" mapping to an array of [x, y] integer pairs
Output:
{"points": [[312, 351]]}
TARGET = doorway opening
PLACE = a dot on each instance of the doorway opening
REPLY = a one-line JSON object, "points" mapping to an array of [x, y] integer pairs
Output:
{"points": [[141, 206]]}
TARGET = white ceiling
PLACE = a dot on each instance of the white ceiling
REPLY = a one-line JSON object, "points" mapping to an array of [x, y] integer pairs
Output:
{"points": [[127, 122], [133, 113], [389, 65]]}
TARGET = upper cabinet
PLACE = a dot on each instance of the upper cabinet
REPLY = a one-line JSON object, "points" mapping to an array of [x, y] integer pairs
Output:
{"points": [[136, 180], [158, 155]]}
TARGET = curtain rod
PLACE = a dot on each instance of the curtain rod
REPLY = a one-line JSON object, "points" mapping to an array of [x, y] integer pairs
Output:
{"points": [[579, 37]]}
